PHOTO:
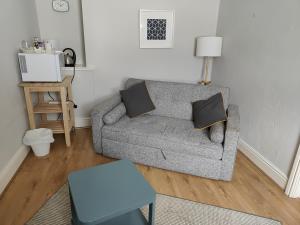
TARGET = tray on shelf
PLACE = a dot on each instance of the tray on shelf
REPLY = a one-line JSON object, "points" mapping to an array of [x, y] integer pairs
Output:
{"points": [[57, 126], [50, 108]]}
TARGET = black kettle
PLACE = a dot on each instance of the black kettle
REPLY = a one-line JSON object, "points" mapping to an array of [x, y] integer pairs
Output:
{"points": [[70, 57]]}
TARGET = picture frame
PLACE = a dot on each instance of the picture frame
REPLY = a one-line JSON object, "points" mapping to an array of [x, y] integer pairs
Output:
{"points": [[157, 28]]}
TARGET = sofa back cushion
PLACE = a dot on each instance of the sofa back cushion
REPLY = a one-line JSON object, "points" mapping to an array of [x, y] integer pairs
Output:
{"points": [[175, 99]]}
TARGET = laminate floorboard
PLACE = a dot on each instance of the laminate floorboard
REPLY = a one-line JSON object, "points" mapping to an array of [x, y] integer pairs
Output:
{"points": [[38, 179]]}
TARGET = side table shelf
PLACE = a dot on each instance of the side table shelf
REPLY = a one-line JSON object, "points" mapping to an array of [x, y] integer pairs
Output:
{"points": [[57, 126], [42, 108], [47, 108]]}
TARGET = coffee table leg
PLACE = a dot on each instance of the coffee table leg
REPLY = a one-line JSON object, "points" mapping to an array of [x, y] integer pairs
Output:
{"points": [[151, 213], [73, 213]]}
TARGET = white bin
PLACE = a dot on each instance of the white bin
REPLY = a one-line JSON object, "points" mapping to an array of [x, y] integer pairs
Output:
{"points": [[39, 140]]}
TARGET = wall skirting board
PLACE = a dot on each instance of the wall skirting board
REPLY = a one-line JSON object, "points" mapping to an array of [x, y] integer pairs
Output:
{"points": [[14, 163], [12, 166], [82, 121], [293, 186], [265, 165]]}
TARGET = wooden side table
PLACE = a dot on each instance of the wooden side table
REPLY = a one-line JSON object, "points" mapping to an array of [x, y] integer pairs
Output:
{"points": [[65, 106]]}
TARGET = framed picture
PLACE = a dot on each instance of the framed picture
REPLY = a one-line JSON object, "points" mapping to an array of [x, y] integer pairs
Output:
{"points": [[156, 28]]}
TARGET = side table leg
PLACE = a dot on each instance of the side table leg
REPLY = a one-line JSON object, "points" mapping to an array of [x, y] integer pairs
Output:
{"points": [[151, 215], [66, 118], [70, 96], [29, 108], [73, 213]]}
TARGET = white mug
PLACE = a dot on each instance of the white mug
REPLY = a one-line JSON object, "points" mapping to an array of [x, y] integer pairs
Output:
{"points": [[48, 47]]}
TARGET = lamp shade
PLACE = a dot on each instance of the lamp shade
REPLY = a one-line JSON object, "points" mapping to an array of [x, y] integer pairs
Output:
{"points": [[209, 46]]}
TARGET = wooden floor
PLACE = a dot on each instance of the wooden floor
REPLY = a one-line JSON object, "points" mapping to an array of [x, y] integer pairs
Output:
{"points": [[37, 180]]}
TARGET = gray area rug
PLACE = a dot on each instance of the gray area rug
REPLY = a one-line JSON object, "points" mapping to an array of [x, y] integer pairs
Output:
{"points": [[169, 211]]}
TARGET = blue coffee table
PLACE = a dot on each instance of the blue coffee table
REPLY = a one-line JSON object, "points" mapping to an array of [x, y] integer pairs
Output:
{"points": [[110, 194]]}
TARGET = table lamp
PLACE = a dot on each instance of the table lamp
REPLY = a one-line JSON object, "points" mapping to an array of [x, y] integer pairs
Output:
{"points": [[208, 47]]}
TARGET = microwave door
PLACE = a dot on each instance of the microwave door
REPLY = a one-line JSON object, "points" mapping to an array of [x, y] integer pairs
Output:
{"points": [[41, 67], [23, 66]]}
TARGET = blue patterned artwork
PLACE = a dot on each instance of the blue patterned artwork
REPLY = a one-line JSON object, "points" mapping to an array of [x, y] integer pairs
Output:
{"points": [[156, 29]]}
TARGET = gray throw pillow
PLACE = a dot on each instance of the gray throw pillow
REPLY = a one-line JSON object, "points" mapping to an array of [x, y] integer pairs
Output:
{"points": [[208, 112], [115, 114], [137, 100], [216, 132]]}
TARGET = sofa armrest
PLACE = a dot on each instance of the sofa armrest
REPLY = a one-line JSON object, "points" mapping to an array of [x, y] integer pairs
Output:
{"points": [[115, 114], [230, 143], [97, 119]]}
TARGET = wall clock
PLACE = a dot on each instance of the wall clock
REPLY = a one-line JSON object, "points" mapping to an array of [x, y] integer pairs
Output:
{"points": [[60, 5]]}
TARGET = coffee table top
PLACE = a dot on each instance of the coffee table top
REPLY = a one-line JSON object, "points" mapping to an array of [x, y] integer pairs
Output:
{"points": [[106, 191]]}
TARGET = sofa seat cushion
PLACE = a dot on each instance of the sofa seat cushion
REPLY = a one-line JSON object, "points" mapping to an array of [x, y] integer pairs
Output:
{"points": [[164, 133]]}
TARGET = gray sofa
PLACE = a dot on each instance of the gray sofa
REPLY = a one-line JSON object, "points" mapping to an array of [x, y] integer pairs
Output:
{"points": [[166, 138]]}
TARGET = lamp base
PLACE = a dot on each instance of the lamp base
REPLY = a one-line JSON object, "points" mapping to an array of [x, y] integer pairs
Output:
{"points": [[206, 71], [204, 82]]}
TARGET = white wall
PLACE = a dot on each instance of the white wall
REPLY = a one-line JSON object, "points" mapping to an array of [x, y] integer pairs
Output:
{"points": [[64, 27], [83, 88], [67, 29], [17, 21], [115, 57], [111, 30], [260, 64]]}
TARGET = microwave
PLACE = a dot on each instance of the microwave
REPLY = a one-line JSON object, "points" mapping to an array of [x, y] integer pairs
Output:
{"points": [[41, 67]]}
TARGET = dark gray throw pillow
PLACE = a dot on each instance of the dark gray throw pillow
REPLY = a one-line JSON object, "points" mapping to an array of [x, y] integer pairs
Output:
{"points": [[137, 100], [208, 112]]}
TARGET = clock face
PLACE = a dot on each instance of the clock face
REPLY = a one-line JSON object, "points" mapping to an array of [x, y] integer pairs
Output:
{"points": [[60, 5]]}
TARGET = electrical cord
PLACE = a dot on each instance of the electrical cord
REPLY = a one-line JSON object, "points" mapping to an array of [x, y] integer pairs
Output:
{"points": [[73, 77], [59, 115], [74, 73], [74, 104], [51, 96]]}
